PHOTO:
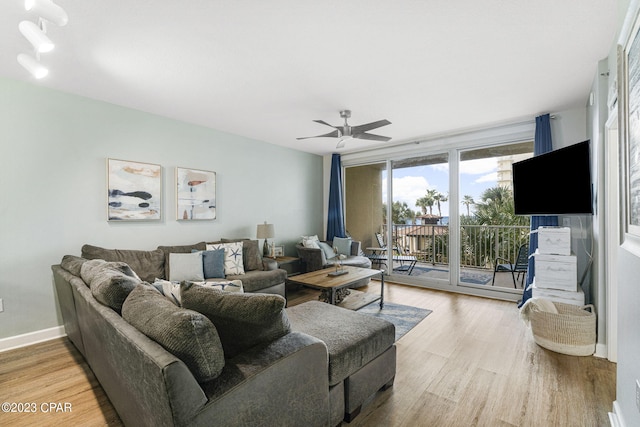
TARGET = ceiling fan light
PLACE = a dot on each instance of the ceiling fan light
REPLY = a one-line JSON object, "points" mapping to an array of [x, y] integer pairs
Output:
{"points": [[36, 37], [31, 65], [47, 10]]}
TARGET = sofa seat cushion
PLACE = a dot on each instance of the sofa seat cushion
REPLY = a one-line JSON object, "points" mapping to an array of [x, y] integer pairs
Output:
{"points": [[148, 265], [256, 280], [353, 339], [353, 261], [242, 320], [110, 282], [186, 334]]}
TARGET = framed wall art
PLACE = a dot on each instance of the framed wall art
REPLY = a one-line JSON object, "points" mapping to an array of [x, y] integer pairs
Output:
{"points": [[629, 57], [134, 191], [195, 194]]}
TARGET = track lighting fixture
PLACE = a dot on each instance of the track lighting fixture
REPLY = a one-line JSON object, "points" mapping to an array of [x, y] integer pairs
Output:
{"points": [[36, 36], [47, 10], [31, 65]]}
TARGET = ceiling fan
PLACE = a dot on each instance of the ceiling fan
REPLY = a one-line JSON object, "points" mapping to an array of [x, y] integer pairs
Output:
{"points": [[347, 132]]}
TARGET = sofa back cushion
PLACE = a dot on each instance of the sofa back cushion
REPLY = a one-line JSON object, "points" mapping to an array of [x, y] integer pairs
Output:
{"points": [[243, 320], [186, 334], [149, 265], [110, 282]]}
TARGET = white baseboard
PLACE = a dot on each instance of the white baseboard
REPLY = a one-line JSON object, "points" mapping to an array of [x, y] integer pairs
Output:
{"points": [[31, 338], [615, 417], [601, 351]]}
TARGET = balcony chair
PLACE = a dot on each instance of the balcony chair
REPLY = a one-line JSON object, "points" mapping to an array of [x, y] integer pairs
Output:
{"points": [[407, 262], [519, 267]]}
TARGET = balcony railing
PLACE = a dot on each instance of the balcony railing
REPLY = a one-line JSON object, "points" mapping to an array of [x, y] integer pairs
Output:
{"points": [[480, 244]]}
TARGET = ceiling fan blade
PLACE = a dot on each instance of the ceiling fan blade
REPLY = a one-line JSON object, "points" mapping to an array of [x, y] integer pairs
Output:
{"points": [[334, 134], [372, 137], [370, 126], [325, 123]]}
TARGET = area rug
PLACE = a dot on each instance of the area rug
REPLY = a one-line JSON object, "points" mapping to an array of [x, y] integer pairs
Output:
{"points": [[404, 317], [443, 274]]}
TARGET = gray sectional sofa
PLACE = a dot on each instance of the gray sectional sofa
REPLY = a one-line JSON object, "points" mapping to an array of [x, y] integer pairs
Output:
{"points": [[217, 358]]}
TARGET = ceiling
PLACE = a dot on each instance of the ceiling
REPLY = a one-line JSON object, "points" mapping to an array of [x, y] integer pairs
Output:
{"points": [[266, 69]]}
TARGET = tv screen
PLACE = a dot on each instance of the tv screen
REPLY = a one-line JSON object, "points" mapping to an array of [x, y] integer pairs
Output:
{"points": [[554, 183]]}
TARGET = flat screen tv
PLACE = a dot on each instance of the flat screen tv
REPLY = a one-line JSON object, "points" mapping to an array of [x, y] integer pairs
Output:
{"points": [[554, 183]]}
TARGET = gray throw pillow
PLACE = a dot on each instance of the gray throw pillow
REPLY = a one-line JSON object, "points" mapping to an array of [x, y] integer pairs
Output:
{"points": [[186, 334], [72, 264], [242, 320], [110, 282], [213, 263], [149, 265], [343, 245]]}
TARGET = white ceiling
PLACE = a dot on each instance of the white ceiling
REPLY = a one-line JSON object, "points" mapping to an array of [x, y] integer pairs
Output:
{"points": [[266, 69]]}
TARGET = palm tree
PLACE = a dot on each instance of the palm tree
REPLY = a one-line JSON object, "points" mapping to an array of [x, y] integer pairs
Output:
{"points": [[468, 201], [439, 197], [423, 203]]}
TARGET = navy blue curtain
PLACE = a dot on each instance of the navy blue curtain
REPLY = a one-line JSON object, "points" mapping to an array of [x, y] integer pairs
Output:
{"points": [[335, 220], [542, 144]]}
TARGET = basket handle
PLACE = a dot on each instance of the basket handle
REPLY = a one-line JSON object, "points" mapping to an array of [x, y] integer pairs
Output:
{"points": [[589, 307]]}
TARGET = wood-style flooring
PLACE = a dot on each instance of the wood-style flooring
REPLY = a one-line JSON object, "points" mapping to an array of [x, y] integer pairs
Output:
{"points": [[472, 362]]}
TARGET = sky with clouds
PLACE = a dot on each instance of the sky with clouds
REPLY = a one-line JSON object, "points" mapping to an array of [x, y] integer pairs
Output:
{"points": [[409, 184]]}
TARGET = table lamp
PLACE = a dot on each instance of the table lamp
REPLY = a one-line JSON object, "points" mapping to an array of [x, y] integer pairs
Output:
{"points": [[265, 231]]}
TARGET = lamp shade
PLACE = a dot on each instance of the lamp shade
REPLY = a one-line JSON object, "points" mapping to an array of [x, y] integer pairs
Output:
{"points": [[36, 36], [265, 231], [48, 10], [33, 66]]}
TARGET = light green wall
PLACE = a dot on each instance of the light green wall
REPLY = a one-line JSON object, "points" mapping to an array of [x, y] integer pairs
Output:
{"points": [[53, 151]]}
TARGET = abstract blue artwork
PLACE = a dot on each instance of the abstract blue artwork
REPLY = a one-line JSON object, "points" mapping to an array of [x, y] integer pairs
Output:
{"points": [[134, 190]]}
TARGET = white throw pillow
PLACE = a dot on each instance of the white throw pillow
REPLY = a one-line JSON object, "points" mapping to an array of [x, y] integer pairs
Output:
{"points": [[310, 241], [233, 264], [185, 267]]}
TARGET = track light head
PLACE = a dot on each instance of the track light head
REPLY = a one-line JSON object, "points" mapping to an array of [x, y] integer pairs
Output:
{"points": [[47, 10], [36, 36], [31, 65]]}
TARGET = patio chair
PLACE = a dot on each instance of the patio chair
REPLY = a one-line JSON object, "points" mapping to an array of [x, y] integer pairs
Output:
{"points": [[519, 267], [407, 262]]}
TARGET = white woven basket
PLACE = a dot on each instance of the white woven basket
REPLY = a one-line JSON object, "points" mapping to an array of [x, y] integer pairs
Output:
{"points": [[570, 331]]}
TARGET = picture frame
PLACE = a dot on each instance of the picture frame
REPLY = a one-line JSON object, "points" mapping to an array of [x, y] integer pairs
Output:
{"points": [[629, 103], [278, 251], [134, 191], [195, 194]]}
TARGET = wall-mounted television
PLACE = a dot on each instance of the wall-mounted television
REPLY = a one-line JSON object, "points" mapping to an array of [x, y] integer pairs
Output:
{"points": [[554, 183]]}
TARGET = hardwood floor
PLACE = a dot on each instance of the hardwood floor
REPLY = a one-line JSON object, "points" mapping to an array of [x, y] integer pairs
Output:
{"points": [[472, 362]]}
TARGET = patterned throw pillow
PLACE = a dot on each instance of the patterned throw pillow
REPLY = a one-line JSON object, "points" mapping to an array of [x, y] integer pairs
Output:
{"points": [[233, 264]]}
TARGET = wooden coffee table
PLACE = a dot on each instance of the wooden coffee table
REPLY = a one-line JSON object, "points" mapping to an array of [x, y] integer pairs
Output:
{"points": [[320, 279]]}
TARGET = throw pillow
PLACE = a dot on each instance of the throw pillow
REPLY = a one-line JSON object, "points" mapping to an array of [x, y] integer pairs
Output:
{"points": [[109, 282], [251, 253], [213, 263], [327, 249], [185, 266], [188, 335], [233, 263], [242, 320], [180, 249], [310, 241], [343, 245], [147, 264], [171, 290], [72, 264], [225, 285]]}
